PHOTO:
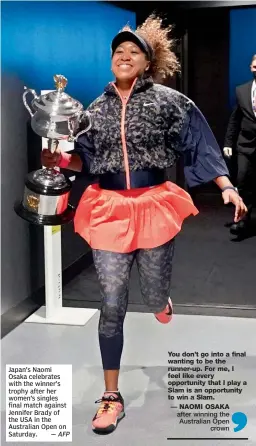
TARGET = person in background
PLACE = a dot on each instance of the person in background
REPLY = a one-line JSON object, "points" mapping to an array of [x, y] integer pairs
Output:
{"points": [[139, 129], [241, 137]]}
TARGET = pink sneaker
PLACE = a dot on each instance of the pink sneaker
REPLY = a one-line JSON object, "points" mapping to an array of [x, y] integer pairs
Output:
{"points": [[166, 315], [110, 412]]}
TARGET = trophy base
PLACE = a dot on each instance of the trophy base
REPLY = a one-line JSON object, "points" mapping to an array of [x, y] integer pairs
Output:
{"points": [[45, 220]]}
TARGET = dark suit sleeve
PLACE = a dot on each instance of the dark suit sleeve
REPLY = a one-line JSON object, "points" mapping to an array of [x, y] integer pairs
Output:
{"points": [[233, 128], [203, 160]]}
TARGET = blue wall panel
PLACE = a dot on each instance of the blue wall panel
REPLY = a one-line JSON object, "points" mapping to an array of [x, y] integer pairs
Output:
{"points": [[242, 47], [40, 39]]}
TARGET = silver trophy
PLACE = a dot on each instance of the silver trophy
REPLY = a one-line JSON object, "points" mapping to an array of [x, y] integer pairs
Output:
{"points": [[55, 116]]}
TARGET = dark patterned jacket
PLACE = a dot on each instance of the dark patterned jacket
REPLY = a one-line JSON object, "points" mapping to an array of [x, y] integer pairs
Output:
{"points": [[155, 127]]}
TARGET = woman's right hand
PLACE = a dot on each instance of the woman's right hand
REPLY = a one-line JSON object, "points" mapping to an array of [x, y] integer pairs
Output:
{"points": [[49, 159]]}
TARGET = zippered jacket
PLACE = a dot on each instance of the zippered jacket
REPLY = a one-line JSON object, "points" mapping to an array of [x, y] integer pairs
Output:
{"points": [[153, 127]]}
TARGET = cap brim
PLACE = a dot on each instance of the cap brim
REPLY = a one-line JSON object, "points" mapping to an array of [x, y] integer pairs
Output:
{"points": [[128, 36]]}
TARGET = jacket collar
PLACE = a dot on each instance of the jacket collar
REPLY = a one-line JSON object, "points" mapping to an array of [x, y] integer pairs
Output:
{"points": [[142, 83]]}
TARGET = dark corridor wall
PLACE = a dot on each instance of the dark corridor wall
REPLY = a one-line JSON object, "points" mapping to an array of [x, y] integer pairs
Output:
{"points": [[208, 66]]}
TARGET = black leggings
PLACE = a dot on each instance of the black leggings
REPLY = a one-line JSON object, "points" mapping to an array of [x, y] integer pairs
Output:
{"points": [[113, 270]]}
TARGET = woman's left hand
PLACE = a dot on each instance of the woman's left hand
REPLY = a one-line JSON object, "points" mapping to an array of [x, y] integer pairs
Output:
{"points": [[231, 196]]}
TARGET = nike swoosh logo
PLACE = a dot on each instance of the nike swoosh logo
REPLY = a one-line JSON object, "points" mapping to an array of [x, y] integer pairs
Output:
{"points": [[146, 104], [169, 313]]}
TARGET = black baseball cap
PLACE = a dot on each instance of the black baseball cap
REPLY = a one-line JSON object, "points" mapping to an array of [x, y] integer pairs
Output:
{"points": [[129, 36]]}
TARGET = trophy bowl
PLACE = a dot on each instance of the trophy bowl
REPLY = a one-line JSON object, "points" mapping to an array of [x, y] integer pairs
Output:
{"points": [[55, 116]]}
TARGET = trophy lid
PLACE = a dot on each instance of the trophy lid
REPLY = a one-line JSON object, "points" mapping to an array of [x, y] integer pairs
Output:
{"points": [[58, 102]]}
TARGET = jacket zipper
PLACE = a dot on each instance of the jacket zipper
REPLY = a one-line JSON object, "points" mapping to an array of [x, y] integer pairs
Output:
{"points": [[124, 147]]}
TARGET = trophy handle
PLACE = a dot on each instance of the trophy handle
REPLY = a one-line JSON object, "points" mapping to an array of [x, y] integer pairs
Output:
{"points": [[28, 90], [85, 113]]}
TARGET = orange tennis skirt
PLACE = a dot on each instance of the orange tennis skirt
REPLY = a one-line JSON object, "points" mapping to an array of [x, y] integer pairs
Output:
{"points": [[123, 221]]}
